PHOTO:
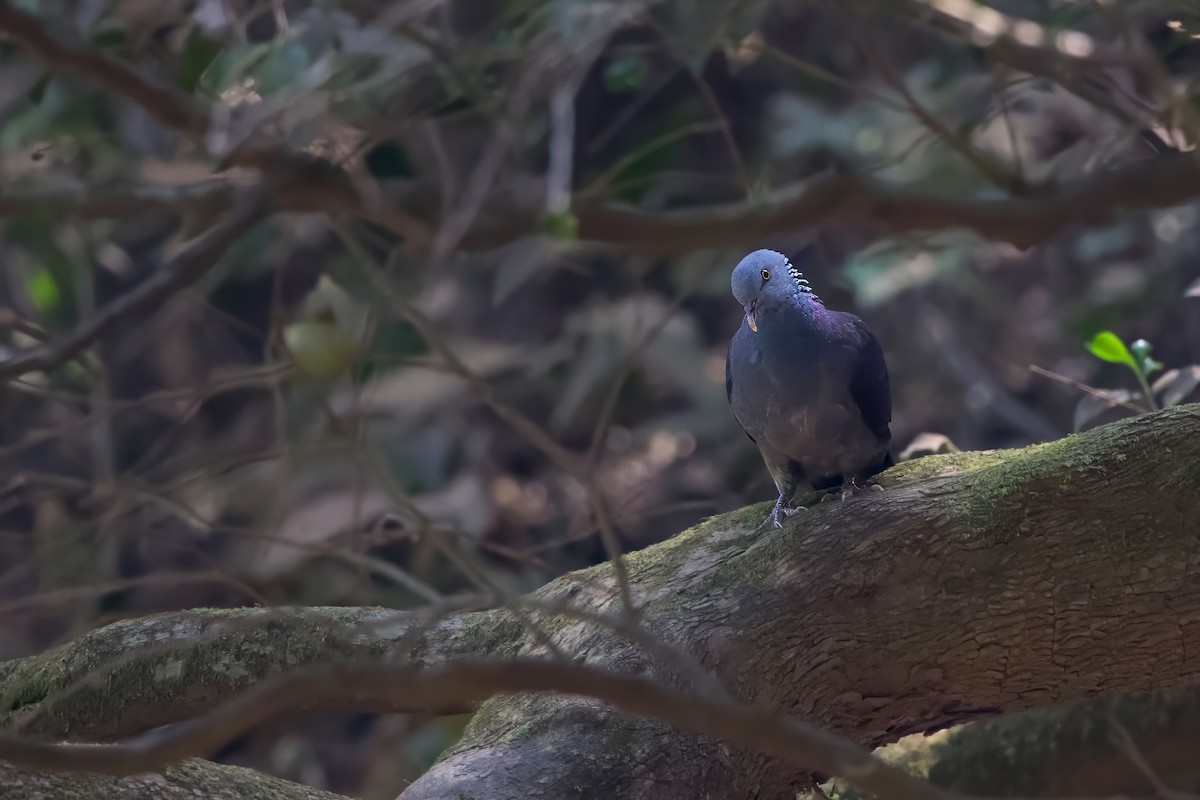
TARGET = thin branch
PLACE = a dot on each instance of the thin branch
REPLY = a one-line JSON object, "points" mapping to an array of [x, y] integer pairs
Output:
{"points": [[1129, 747], [561, 168], [998, 31], [606, 178], [318, 188], [312, 177], [841, 194], [1101, 394], [563, 458], [820, 73], [171, 108], [92, 590], [474, 195], [110, 202], [1000, 91], [991, 168], [12, 320], [184, 270], [946, 346], [845, 195], [403, 688]]}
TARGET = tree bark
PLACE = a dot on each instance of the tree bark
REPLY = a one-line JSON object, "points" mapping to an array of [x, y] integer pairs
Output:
{"points": [[1088, 750], [976, 583], [188, 780]]}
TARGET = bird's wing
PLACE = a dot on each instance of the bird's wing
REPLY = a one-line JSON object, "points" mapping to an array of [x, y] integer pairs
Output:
{"points": [[729, 388], [729, 374], [870, 387]]}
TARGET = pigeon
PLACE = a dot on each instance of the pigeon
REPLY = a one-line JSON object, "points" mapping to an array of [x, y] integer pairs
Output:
{"points": [[808, 385]]}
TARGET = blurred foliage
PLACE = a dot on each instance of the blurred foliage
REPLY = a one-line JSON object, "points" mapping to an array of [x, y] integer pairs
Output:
{"points": [[289, 431]]}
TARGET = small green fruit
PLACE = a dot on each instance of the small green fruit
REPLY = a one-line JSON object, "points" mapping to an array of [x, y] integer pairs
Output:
{"points": [[322, 351]]}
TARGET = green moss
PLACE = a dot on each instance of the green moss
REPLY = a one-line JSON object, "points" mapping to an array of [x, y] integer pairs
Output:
{"points": [[513, 718], [495, 632], [772, 546], [183, 650], [1021, 753], [666, 557], [1029, 475], [191, 778], [32, 686], [939, 464]]}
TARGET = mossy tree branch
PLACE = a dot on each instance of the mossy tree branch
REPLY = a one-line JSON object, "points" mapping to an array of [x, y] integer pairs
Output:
{"points": [[187, 780], [977, 583]]}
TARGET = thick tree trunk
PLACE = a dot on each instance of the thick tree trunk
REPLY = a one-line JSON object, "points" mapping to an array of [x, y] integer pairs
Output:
{"points": [[189, 780], [977, 583]]}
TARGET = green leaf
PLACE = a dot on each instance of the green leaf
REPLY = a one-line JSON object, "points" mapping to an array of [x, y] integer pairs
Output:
{"points": [[625, 75], [563, 226], [110, 39], [230, 66], [281, 66], [1107, 346], [50, 281], [198, 55], [43, 290]]}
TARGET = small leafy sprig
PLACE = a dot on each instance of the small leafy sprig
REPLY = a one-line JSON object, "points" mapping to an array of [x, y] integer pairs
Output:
{"points": [[1170, 388], [1107, 346]]}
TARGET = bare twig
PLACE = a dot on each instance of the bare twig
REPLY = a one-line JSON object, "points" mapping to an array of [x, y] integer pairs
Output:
{"points": [[846, 195], [14, 321], [1000, 90], [182, 271], [1129, 747], [946, 347], [995, 30], [606, 178], [820, 73], [561, 168], [474, 194], [171, 108], [1064, 55], [70, 594], [838, 195], [401, 688], [987, 165], [318, 188], [179, 112], [1083, 387], [91, 202], [563, 458]]}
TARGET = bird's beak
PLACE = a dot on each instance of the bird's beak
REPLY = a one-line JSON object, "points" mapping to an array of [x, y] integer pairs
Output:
{"points": [[750, 317]]}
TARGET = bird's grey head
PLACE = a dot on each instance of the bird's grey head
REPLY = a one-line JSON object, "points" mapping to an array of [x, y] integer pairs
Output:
{"points": [[766, 278]]}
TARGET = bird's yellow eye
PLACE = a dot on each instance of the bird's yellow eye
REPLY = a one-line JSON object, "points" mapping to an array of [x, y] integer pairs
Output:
{"points": [[766, 275]]}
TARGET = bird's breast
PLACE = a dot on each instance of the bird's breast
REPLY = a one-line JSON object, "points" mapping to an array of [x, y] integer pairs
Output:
{"points": [[799, 404]]}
